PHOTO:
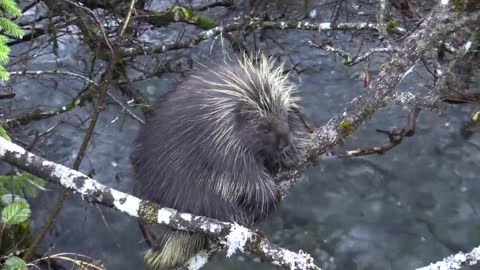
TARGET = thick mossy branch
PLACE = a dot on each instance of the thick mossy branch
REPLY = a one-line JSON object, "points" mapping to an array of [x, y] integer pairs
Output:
{"points": [[178, 14]]}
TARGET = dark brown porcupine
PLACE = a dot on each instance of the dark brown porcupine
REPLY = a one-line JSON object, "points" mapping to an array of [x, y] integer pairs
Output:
{"points": [[212, 146]]}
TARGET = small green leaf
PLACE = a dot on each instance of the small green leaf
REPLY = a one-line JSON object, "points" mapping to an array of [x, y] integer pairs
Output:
{"points": [[14, 263], [15, 213], [3, 134]]}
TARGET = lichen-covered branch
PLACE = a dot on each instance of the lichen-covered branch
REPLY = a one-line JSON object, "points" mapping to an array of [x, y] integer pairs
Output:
{"points": [[252, 24], [233, 236], [457, 261], [347, 59], [440, 22]]}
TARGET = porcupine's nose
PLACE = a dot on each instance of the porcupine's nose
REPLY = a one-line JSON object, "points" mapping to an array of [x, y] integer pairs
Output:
{"points": [[283, 142]]}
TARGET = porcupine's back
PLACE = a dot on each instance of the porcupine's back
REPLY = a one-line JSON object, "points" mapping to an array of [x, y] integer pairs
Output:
{"points": [[180, 165], [195, 153]]}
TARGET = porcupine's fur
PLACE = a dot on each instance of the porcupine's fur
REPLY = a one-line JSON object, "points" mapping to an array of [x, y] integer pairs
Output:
{"points": [[212, 146]]}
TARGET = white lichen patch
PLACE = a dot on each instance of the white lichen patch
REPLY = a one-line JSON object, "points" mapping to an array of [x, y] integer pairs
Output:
{"points": [[467, 47], [456, 261], [186, 217], [328, 133], [165, 214], [408, 72], [64, 174], [324, 26], [404, 97], [211, 227], [300, 260], [237, 239], [126, 203], [210, 33], [444, 2], [197, 261], [10, 147]]}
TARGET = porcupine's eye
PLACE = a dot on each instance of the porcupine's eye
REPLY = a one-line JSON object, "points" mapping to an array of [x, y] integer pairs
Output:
{"points": [[267, 130]]}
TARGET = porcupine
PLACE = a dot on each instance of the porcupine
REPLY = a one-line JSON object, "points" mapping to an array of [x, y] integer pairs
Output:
{"points": [[212, 146]]}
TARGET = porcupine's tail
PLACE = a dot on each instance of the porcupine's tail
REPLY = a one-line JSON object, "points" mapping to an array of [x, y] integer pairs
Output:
{"points": [[174, 249]]}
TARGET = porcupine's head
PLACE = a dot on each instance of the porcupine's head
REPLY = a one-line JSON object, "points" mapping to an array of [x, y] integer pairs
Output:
{"points": [[259, 101]]}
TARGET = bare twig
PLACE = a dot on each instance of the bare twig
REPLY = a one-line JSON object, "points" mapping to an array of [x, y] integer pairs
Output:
{"points": [[100, 24], [7, 96], [347, 60], [252, 24], [395, 138], [44, 114]]}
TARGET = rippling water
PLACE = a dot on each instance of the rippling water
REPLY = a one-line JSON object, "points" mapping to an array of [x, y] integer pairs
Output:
{"points": [[405, 209]]}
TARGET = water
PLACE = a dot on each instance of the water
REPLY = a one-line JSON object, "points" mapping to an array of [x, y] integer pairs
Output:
{"points": [[412, 206]]}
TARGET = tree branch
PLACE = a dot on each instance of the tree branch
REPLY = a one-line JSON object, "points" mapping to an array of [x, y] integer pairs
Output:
{"points": [[251, 24], [440, 22], [233, 236], [457, 261], [347, 59], [395, 138]]}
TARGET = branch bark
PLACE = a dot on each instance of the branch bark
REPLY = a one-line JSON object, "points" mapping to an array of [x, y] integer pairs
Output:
{"points": [[233, 236], [252, 24], [440, 22]]}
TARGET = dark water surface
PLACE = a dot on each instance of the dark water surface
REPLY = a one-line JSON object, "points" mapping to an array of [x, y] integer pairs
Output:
{"points": [[416, 204]]}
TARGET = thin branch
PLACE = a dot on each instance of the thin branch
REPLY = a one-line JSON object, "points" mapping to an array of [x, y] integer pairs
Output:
{"points": [[252, 24], [44, 114], [410, 99], [7, 96], [100, 24], [347, 60], [395, 138], [381, 21], [206, 5]]}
